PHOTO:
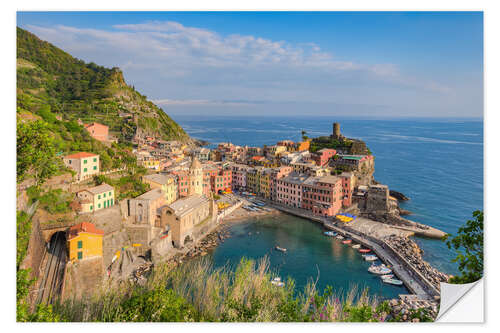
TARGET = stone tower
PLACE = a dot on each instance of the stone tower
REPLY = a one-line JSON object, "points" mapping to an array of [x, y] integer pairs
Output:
{"points": [[195, 178], [336, 131]]}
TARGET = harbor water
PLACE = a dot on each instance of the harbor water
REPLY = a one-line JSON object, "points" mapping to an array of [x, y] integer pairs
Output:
{"points": [[437, 163]]}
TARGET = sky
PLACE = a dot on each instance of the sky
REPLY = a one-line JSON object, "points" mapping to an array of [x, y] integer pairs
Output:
{"points": [[361, 64]]}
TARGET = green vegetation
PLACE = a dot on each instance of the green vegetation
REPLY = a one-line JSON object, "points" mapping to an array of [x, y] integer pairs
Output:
{"points": [[23, 223], [56, 201], [128, 186], [35, 152], [196, 291], [468, 244], [52, 84]]}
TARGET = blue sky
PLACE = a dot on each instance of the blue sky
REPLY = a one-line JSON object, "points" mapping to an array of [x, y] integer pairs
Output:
{"points": [[373, 64]]}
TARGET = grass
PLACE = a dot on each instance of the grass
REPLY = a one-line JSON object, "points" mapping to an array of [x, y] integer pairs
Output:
{"points": [[197, 291]]}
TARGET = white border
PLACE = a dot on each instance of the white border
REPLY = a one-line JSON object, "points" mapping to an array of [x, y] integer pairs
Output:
{"points": [[492, 161]]}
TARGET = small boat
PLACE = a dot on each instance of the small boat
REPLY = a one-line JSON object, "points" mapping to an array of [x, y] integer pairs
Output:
{"points": [[365, 250], [370, 257], [340, 237], [379, 270], [387, 276], [329, 233], [395, 282], [356, 246], [277, 282], [282, 249], [347, 241]]}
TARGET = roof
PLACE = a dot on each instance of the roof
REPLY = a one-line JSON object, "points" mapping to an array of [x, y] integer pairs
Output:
{"points": [[352, 157], [83, 227], [195, 164], [80, 155], [329, 179], [151, 195], [158, 178], [99, 189], [295, 178], [183, 206], [94, 124]]}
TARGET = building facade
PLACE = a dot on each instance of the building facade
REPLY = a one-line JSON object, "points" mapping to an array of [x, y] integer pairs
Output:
{"points": [[97, 131], [84, 241], [85, 164], [96, 198], [167, 183]]}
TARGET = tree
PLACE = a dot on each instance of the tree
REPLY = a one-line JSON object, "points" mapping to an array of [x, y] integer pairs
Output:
{"points": [[304, 136], [468, 244], [35, 152]]}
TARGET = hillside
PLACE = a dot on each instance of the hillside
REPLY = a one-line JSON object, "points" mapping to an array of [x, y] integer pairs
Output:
{"points": [[50, 80]]}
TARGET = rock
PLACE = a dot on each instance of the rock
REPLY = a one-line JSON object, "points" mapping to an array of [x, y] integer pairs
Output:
{"points": [[398, 195], [405, 318]]}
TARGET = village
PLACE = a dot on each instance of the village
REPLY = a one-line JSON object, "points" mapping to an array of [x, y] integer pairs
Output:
{"points": [[193, 190]]}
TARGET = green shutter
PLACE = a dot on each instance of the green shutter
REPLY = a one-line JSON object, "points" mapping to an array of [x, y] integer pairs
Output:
{"points": [[95, 159], [99, 206], [95, 167], [91, 207], [80, 244], [99, 196], [84, 161], [111, 202], [85, 170], [80, 255]]}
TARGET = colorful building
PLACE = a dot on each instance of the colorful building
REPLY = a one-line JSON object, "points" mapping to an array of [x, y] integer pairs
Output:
{"points": [[84, 241], [289, 189], [265, 183], [167, 183], [276, 174], [348, 180], [85, 164], [96, 198], [323, 156], [97, 131], [322, 195], [152, 163]]}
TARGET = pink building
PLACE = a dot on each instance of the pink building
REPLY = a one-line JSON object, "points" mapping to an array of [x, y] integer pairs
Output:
{"points": [[239, 176], [277, 174], [323, 156], [322, 195], [97, 131], [347, 188], [289, 189]]}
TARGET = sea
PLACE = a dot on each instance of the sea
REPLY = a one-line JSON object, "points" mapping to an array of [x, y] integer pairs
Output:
{"points": [[437, 163]]}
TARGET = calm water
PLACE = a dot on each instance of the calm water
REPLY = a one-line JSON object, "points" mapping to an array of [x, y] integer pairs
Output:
{"points": [[437, 163], [310, 255]]}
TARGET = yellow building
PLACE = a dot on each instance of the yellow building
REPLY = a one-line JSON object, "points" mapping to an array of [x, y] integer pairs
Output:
{"points": [[167, 183], [253, 179], [96, 198], [265, 183], [84, 241], [151, 163]]}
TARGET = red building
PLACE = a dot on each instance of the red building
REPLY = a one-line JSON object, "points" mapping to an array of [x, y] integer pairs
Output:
{"points": [[222, 180], [97, 131], [323, 156], [347, 188], [322, 195], [277, 174], [182, 182]]}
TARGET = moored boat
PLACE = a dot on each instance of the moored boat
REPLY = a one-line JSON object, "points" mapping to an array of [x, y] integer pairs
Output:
{"points": [[329, 233], [347, 241], [364, 250], [356, 246], [340, 237], [282, 249], [387, 276], [379, 269], [370, 257], [395, 282]]}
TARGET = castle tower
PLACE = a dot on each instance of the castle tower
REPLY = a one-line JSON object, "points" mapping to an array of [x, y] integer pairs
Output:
{"points": [[195, 178], [336, 130]]}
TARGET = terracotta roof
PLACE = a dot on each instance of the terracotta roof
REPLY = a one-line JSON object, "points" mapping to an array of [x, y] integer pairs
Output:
{"points": [[99, 189], [83, 227], [80, 155]]}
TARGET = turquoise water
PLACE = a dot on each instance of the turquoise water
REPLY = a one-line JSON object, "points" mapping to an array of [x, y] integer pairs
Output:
{"points": [[310, 255], [437, 163]]}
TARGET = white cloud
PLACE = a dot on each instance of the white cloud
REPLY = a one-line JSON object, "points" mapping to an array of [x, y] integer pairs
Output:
{"points": [[180, 65]]}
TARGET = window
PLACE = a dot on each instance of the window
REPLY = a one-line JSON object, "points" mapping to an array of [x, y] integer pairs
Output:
{"points": [[91, 207], [104, 195], [99, 206], [84, 161], [80, 244], [95, 167], [85, 170], [95, 159], [109, 193], [99, 196], [80, 255]]}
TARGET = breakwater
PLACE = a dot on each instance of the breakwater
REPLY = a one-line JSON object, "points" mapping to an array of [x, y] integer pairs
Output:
{"points": [[405, 271]]}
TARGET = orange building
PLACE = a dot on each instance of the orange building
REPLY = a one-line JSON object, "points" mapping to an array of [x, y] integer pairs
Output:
{"points": [[98, 131], [84, 241], [303, 145]]}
